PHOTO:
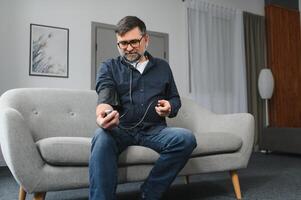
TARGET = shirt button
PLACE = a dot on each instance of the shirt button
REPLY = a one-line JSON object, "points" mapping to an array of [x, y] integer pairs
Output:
{"points": [[142, 104], [141, 90]]}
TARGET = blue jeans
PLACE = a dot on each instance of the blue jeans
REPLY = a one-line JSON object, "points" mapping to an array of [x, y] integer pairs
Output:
{"points": [[174, 145]]}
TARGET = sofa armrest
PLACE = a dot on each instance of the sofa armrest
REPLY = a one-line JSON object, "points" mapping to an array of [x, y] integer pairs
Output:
{"points": [[240, 124], [200, 120], [19, 150]]}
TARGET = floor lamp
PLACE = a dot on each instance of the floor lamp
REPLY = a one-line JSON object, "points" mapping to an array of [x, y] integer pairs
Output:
{"points": [[266, 88]]}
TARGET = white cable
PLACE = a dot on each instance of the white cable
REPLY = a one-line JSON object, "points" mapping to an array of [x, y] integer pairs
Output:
{"points": [[141, 120]]}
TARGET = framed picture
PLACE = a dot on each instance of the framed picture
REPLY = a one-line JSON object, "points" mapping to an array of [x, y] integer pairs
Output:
{"points": [[49, 51]]}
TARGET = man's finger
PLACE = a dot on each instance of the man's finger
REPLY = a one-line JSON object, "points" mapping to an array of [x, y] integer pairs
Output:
{"points": [[161, 102], [109, 120], [157, 109], [99, 121], [115, 121], [163, 109], [159, 112], [108, 125], [111, 123], [110, 116]]}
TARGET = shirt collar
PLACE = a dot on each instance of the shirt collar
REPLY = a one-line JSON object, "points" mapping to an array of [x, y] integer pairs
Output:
{"points": [[149, 64]]}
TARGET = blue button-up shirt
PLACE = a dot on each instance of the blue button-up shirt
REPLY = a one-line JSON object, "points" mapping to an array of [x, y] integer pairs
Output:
{"points": [[156, 82]]}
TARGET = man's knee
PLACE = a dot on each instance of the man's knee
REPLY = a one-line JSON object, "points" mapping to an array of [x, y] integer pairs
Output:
{"points": [[189, 139], [102, 140], [185, 138]]}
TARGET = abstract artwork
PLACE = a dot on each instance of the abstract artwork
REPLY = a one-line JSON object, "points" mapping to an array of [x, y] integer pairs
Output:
{"points": [[49, 51]]}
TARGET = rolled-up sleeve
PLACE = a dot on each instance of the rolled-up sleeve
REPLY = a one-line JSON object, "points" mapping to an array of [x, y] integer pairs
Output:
{"points": [[173, 97], [106, 87]]}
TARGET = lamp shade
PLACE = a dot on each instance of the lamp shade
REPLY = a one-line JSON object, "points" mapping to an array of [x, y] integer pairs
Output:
{"points": [[266, 83]]}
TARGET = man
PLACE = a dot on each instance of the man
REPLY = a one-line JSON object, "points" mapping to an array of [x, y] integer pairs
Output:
{"points": [[135, 94]]}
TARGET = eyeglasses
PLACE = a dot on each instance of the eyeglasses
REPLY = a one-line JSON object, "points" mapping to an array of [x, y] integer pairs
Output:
{"points": [[134, 43]]}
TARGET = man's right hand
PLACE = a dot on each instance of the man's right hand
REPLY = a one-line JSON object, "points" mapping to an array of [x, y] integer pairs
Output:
{"points": [[107, 121]]}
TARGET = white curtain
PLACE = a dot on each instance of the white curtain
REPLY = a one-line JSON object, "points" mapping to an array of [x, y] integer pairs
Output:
{"points": [[217, 57]]}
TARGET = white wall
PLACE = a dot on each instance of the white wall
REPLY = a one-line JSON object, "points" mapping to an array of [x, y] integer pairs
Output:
{"points": [[163, 16], [167, 16]]}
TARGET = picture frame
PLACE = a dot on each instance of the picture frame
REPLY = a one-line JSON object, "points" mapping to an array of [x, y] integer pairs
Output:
{"points": [[49, 51]]}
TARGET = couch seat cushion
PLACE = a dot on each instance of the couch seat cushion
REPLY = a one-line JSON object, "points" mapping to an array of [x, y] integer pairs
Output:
{"points": [[75, 151], [65, 150]]}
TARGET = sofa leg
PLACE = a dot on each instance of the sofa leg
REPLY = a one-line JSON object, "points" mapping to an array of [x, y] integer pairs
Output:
{"points": [[235, 182], [39, 196], [22, 193], [186, 179]]}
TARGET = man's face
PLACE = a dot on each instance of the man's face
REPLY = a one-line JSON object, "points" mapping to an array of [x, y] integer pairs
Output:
{"points": [[132, 44]]}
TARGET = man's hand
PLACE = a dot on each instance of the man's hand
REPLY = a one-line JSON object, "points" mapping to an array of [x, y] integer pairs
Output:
{"points": [[107, 121], [163, 108]]}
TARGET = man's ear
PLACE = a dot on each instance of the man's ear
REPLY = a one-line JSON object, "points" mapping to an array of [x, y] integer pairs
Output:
{"points": [[146, 40]]}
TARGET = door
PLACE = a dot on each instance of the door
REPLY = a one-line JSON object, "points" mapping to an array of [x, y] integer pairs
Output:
{"points": [[104, 46]]}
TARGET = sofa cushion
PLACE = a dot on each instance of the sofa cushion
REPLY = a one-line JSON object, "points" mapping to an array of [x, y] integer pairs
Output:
{"points": [[75, 151], [65, 150], [216, 143]]}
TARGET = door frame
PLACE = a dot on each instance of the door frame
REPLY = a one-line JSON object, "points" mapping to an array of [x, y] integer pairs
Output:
{"points": [[95, 25]]}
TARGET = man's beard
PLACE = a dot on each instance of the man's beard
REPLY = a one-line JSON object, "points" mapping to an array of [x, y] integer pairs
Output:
{"points": [[131, 57]]}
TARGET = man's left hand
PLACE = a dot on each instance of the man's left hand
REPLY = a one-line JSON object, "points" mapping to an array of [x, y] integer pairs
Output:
{"points": [[163, 108]]}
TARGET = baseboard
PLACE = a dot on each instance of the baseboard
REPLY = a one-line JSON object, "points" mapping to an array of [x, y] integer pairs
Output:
{"points": [[281, 140]]}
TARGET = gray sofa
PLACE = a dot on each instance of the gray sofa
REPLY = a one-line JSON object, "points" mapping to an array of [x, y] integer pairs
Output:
{"points": [[45, 138]]}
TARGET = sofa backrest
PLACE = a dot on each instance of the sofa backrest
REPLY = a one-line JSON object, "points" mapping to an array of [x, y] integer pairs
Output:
{"points": [[190, 116], [51, 112], [54, 112]]}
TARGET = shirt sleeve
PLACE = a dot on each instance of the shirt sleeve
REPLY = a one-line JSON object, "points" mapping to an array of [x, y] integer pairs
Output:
{"points": [[106, 87], [173, 97]]}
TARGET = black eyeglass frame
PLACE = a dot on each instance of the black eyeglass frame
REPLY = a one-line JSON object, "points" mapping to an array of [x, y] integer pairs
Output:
{"points": [[130, 42]]}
